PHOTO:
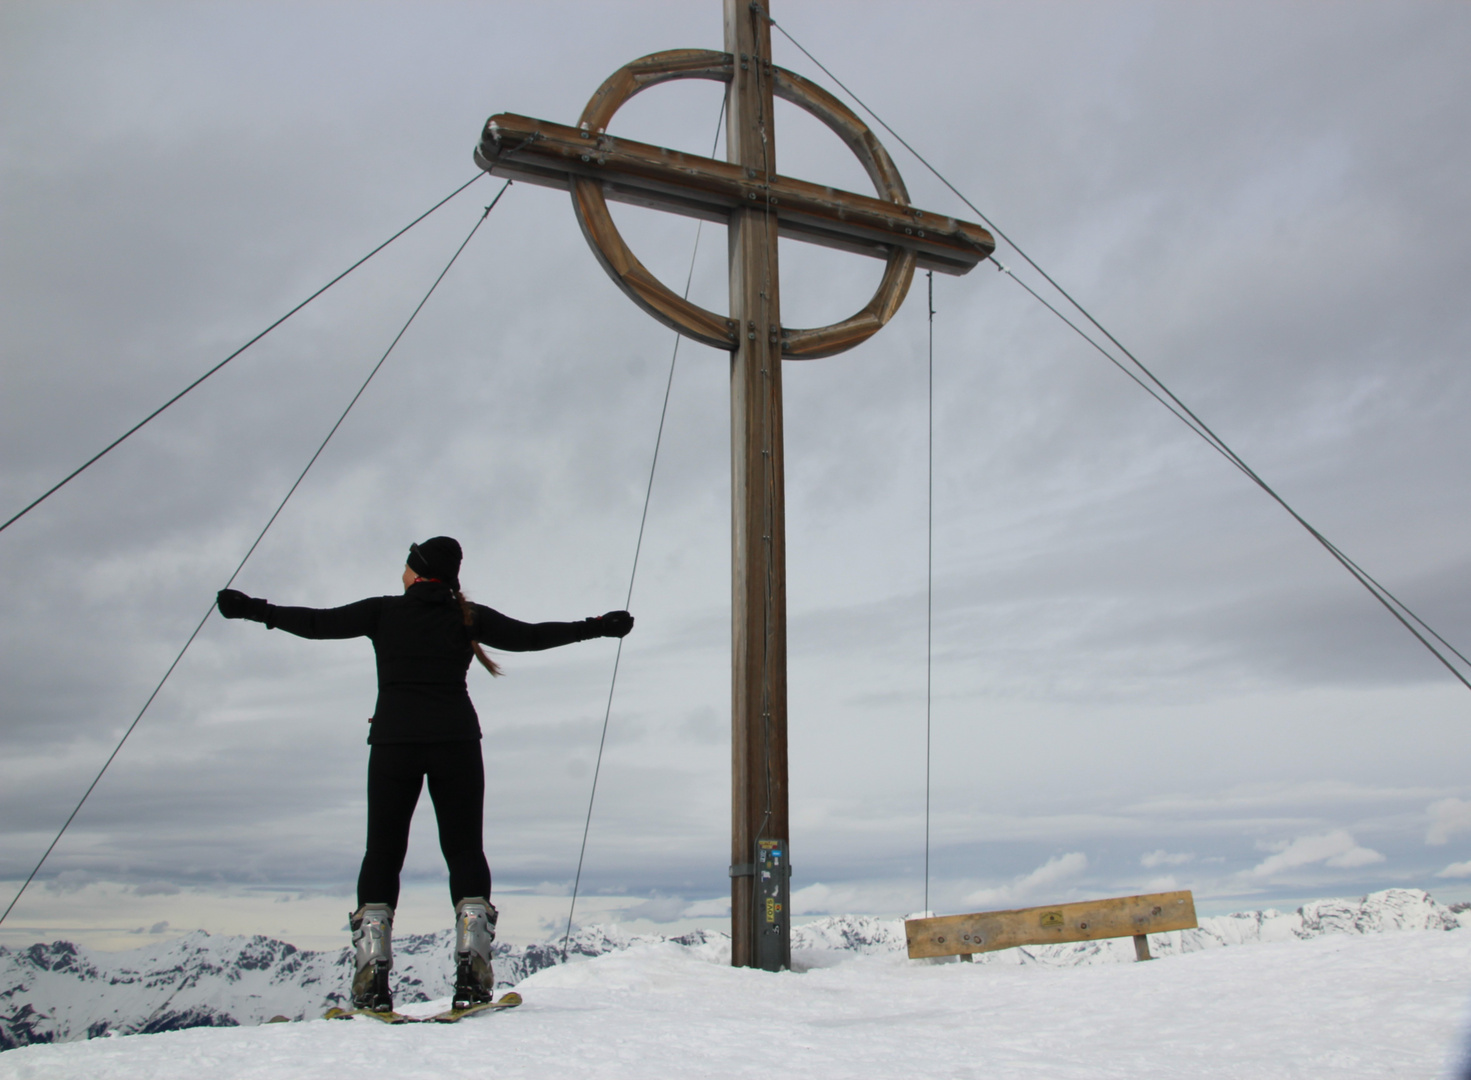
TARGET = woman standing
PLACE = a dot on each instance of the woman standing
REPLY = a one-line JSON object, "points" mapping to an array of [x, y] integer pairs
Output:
{"points": [[424, 725]]}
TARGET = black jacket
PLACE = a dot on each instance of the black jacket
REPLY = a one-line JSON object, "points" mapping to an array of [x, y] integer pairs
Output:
{"points": [[423, 650]]}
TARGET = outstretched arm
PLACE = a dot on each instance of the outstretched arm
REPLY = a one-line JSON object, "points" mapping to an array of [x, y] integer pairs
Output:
{"points": [[511, 635], [353, 620]]}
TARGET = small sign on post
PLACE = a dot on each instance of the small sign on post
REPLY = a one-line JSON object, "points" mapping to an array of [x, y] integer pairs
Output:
{"points": [[774, 905], [1090, 920]]}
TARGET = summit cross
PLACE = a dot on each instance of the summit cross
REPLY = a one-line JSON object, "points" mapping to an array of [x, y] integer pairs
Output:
{"points": [[756, 204]]}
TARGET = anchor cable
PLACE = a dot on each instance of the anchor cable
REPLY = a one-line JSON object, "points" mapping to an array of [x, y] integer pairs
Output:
{"points": [[1391, 603], [259, 537], [69, 477], [929, 596], [768, 484], [633, 573]]}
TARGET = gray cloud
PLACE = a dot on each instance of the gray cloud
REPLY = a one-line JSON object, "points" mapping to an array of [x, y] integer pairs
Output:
{"points": [[1135, 653]]}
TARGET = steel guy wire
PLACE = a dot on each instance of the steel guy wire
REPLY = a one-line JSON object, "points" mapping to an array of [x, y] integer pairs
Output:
{"points": [[768, 469], [1376, 590], [256, 543], [1391, 603], [768, 459], [633, 574], [929, 594], [69, 477]]}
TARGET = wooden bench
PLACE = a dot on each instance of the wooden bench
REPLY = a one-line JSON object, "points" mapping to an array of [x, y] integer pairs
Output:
{"points": [[1090, 920]]}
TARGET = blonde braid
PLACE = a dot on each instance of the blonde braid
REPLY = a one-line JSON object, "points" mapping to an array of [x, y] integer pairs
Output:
{"points": [[468, 611]]}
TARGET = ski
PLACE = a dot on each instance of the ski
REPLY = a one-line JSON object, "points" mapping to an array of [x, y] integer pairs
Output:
{"points": [[451, 1016], [335, 1013]]}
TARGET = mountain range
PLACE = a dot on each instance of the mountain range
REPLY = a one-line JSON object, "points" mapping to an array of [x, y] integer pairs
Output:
{"points": [[62, 992]]}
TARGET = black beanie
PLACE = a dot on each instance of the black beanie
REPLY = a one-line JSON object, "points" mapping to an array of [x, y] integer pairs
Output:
{"points": [[438, 557]]}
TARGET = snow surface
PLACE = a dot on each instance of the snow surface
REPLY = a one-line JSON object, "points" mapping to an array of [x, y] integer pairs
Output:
{"points": [[1342, 1006], [1329, 991], [61, 992]]}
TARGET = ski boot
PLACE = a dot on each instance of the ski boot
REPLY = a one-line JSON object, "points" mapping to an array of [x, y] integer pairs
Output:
{"points": [[474, 933], [372, 940]]}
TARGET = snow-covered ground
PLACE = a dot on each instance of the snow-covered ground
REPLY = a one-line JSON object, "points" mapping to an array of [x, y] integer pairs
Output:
{"points": [[1342, 1004]]}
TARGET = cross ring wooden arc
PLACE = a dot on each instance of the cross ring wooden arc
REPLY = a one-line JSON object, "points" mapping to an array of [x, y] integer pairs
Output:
{"points": [[668, 306]]}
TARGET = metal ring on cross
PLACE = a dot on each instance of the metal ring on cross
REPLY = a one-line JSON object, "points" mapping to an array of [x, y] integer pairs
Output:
{"points": [[664, 303]]}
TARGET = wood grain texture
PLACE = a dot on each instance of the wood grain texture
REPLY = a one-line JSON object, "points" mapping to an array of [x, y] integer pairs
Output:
{"points": [[553, 155], [1090, 920], [758, 530], [597, 167]]}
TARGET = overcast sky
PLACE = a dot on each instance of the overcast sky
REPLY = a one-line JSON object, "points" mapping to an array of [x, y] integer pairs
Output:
{"points": [[1146, 676]]}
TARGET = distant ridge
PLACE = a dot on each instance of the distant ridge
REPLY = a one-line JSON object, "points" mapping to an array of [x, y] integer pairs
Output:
{"points": [[61, 992]]}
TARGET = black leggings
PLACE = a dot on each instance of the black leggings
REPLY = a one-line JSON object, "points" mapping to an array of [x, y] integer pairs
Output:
{"points": [[396, 774]]}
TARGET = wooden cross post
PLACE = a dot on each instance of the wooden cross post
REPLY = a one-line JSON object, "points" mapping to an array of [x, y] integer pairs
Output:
{"points": [[758, 629], [757, 205]]}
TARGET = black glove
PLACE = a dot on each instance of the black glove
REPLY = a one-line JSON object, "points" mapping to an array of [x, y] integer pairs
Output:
{"points": [[613, 624], [234, 604]]}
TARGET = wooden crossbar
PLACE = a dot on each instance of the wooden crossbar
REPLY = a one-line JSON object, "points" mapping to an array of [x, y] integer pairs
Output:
{"points": [[553, 155], [1089, 920]]}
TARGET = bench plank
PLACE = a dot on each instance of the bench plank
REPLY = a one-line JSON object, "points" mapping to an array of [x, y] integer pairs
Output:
{"points": [[1089, 920]]}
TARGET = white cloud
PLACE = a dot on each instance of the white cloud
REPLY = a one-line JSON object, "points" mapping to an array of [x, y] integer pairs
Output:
{"points": [[815, 899], [1075, 531], [716, 908], [1338, 849], [1046, 877], [1165, 858], [1456, 870], [1447, 818], [1356, 856], [658, 909], [856, 897]]}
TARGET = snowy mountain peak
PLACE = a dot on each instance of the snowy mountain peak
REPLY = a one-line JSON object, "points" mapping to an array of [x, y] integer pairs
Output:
{"points": [[61, 992]]}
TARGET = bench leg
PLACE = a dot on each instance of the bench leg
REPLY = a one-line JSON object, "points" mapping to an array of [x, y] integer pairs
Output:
{"points": [[1141, 947]]}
